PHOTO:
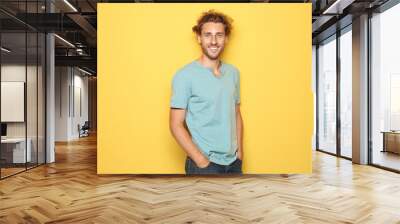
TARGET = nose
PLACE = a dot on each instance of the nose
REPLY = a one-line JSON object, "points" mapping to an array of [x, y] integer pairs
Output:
{"points": [[213, 39]]}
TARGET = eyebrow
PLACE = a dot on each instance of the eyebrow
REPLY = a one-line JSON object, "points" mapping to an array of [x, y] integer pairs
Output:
{"points": [[216, 33]]}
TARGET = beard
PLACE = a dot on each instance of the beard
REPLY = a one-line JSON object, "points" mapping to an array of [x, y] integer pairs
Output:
{"points": [[211, 55]]}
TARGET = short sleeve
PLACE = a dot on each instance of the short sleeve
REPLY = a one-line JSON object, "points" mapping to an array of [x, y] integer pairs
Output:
{"points": [[181, 91], [237, 87]]}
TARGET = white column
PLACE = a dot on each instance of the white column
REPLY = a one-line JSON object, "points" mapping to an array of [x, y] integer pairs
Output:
{"points": [[50, 110], [360, 90], [50, 92]]}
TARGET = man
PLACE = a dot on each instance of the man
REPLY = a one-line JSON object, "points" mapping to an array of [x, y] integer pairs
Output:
{"points": [[206, 96]]}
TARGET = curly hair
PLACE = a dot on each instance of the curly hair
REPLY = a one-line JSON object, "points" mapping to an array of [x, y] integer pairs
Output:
{"points": [[215, 17]]}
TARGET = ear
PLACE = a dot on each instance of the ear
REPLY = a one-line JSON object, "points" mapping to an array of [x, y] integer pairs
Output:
{"points": [[198, 39]]}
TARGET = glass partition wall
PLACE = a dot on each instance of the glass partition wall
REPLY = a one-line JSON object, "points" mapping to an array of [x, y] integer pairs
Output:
{"points": [[334, 104], [13, 109], [326, 60], [22, 88], [345, 62], [334, 95], [385, 89]]}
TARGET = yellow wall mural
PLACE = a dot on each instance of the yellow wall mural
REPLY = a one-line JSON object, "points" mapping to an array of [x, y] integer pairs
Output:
{"points": [[141, 46]]}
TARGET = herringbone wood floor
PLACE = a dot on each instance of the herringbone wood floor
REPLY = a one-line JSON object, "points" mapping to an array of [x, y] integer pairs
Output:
{"points": [[69, 191]]}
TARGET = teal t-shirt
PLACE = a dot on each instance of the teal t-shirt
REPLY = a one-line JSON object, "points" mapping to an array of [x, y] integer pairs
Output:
{"points": [[210, 103]]}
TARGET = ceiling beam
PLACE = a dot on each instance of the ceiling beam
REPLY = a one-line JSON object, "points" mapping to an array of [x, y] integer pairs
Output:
{"points": [[86, 26]]}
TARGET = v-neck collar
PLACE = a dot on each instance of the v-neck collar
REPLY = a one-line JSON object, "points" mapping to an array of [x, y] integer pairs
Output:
{"points": [[210, 70]]}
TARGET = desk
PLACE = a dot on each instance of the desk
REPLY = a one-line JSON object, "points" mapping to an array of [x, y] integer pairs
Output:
{"points": [[17, 150], [391, 141]]}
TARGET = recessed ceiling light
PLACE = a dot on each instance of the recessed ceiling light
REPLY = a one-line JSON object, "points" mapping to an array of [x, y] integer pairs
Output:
{"points": [[337, 7], [64, 40], [70, 5], [5, 50], [84, 71]]}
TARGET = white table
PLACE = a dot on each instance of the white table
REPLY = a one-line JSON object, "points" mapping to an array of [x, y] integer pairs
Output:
{"points": [[19, 155]]}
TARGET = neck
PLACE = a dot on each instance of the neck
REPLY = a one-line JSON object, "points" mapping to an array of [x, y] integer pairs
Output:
{"points": [[209, 63]]}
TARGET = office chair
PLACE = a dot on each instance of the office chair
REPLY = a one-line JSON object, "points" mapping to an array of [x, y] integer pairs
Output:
{"points": [[84, 130]]}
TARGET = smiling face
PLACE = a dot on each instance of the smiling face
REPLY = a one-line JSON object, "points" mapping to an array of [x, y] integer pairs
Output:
{"points": [[212, 39]]}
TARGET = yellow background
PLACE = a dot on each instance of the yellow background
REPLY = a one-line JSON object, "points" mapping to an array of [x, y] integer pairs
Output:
{"points": [[141, 46]]}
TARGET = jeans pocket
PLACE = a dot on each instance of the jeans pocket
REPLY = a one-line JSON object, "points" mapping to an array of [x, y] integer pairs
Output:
{"points": [[187, 165], [208, 166]]}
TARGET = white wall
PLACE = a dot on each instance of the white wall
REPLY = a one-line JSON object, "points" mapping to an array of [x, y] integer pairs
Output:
{"points": [[314, 90], [71, 93], [34, 125], [12, 73], [80, 83], [62, 81]]}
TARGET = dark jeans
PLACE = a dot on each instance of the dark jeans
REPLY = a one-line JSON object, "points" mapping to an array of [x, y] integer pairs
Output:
{"points": [[213, 168]]}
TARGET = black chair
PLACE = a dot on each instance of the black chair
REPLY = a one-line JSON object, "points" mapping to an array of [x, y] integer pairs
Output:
{"points": [[84, 130]]}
